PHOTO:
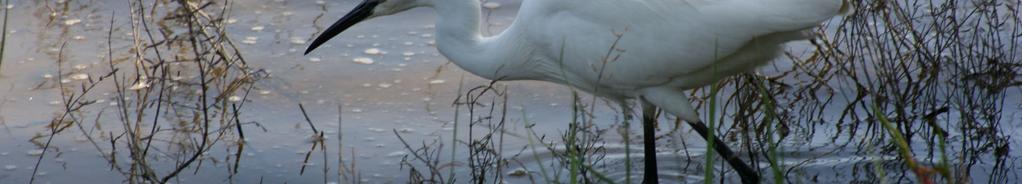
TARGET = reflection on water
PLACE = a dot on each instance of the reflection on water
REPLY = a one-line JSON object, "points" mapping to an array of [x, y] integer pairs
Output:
{"points": [[385, 78]]}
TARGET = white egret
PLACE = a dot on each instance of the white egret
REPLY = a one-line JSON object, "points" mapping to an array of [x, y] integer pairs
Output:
{"points": [[648, 50]]}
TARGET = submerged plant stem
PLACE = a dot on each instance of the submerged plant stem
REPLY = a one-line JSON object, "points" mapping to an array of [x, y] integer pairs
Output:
{"points": [[3, 35]]}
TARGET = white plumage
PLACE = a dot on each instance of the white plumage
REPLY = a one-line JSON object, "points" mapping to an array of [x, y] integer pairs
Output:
{"points": [[665, 45], [618, 49]]}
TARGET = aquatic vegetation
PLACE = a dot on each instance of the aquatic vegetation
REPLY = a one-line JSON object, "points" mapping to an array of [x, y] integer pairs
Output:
{"points": [[896, 92]]}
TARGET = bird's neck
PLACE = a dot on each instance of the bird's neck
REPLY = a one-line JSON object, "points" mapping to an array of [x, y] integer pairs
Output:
{"points": [[458, 37]]}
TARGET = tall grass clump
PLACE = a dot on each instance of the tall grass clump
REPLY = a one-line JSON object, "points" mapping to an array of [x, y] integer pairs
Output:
{"points": [[176, 86], [576, 153], [932, 69]]}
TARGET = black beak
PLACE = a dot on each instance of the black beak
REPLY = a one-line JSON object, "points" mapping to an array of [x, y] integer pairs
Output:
{"points": [[361, 12]]}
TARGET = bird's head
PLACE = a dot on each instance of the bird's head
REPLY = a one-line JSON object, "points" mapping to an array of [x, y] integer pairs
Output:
{"points": [[366, 10]]}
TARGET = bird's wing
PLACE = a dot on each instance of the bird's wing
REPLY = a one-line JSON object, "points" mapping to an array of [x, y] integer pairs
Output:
{"points": [[756, 16], [662, 38]]}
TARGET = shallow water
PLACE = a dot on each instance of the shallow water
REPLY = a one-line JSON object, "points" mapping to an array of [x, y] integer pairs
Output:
{"points": [[384, 74]]}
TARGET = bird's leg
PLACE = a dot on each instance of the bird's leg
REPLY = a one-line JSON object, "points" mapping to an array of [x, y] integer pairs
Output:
{"points": [[748, 174], [677, 103], [650, 175]]}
